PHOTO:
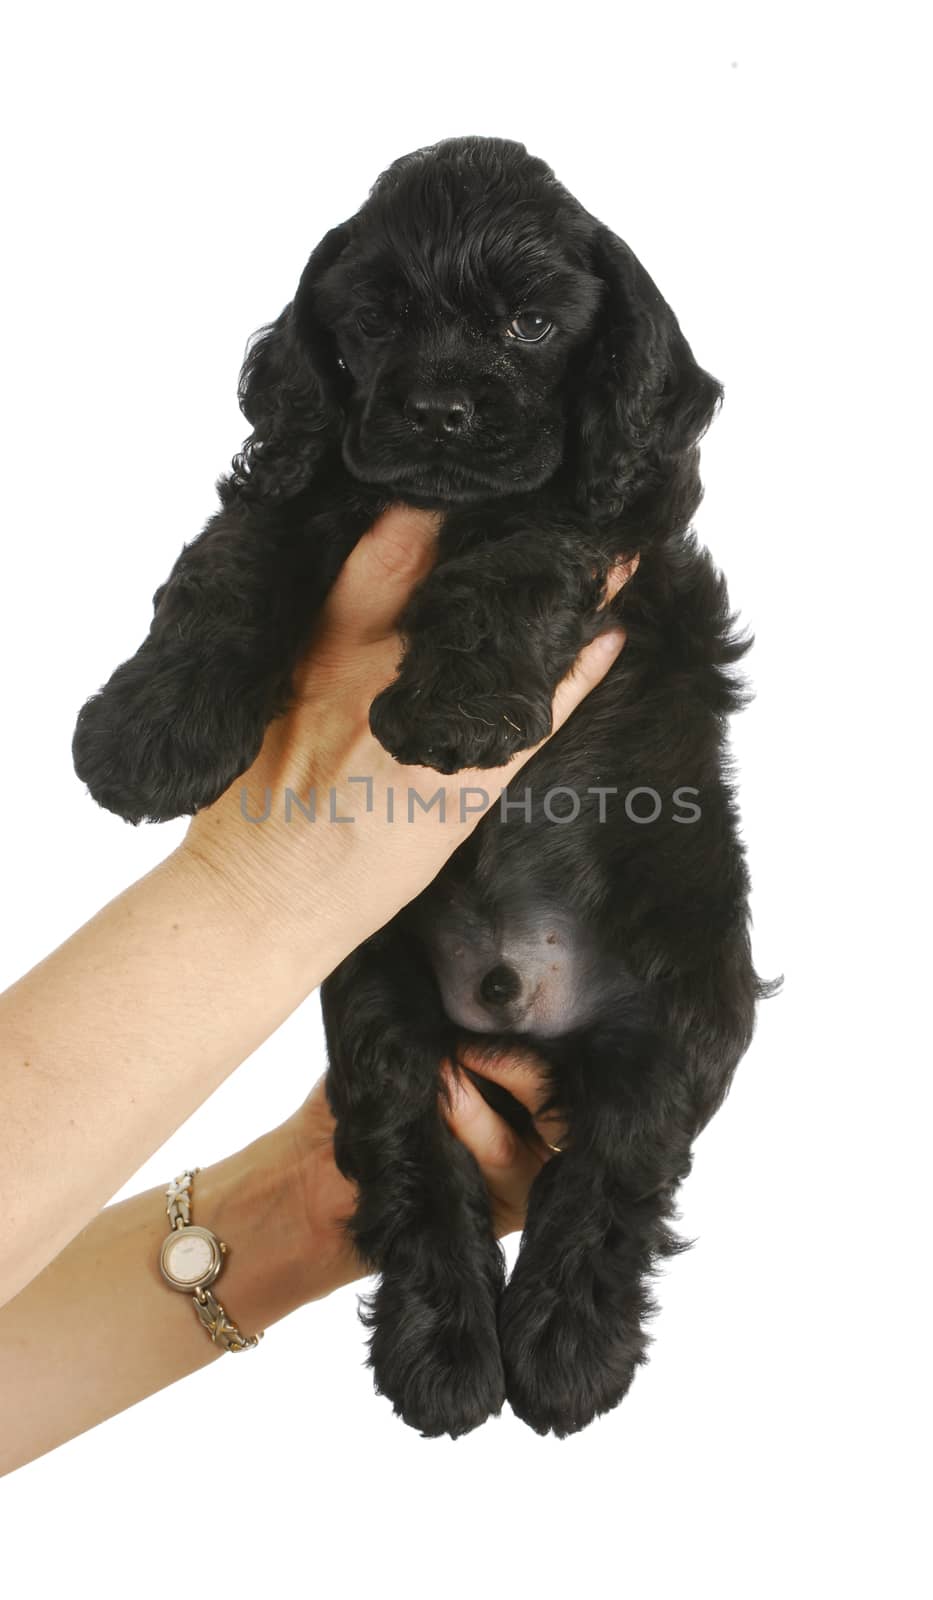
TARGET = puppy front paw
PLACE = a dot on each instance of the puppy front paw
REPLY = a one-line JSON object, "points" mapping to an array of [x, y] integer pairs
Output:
{"points": [[451, 730], [165, 737]]}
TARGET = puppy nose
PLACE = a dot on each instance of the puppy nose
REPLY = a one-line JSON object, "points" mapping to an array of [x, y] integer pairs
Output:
{"points": [[438, 412], [500, 986]]}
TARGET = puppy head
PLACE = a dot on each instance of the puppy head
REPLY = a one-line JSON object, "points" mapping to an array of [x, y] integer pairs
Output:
{"points": [[455, 306], [469, 334]]}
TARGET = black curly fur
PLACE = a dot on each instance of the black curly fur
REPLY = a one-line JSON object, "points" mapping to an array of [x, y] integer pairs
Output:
{"points": [[560, 457]]}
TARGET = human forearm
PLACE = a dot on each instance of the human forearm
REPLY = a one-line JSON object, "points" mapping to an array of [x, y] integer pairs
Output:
{"points": [[122, 1032], [98, 1329]]}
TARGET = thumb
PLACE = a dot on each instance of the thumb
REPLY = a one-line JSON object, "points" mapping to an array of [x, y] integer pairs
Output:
{"points": [[380, 573], [590, 667]]}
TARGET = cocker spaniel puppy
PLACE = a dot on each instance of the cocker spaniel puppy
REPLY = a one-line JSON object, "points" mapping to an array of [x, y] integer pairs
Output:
{"points": [[474, 341]]}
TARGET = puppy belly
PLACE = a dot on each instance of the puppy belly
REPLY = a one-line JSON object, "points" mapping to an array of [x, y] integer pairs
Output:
{"points": [[536, 971]]}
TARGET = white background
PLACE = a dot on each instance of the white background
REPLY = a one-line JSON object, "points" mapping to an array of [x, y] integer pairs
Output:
{"points": [[168, 171]]}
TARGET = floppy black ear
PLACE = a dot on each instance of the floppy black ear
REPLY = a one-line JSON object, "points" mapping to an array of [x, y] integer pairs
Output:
{"points": [[644, 401], [289, 389]]}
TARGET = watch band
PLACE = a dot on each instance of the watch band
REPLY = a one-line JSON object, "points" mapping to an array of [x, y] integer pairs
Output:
{"points": [[210, 1312]]}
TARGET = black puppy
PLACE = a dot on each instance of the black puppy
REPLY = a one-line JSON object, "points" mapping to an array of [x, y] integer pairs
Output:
{"points": [[474, 341]]}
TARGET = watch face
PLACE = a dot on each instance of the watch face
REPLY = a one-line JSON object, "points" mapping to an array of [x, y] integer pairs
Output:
{"points": [[190, 1258]]}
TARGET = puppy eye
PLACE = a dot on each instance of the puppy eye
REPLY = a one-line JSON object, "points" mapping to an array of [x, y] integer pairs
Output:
{"points": [[373, 322], [529, 327]]}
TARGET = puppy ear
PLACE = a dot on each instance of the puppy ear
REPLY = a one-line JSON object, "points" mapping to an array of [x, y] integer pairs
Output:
{"points": [[289, 390], [645, 400]]}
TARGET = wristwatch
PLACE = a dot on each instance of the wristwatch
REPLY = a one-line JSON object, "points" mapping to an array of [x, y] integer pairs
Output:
{"points": [[191, 1259]]}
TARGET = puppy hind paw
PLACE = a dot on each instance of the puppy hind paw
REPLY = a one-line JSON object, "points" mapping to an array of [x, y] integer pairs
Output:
{"points": [[564, 1368], [446, 1396], [441, 1369]]}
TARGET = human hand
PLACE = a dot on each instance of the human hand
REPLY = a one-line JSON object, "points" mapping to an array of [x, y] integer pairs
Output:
{"points": [[509, 1162], [349, 878]]}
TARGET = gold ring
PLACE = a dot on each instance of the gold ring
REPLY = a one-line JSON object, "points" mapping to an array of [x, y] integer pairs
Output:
{"points": [[555, 1147]]}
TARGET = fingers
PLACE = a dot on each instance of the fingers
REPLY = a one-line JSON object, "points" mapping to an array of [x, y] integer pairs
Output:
{"points": [[377, 578], [509, 1165], [516, 1069], [522, 1073], [588, 670], [490, 1139]]}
